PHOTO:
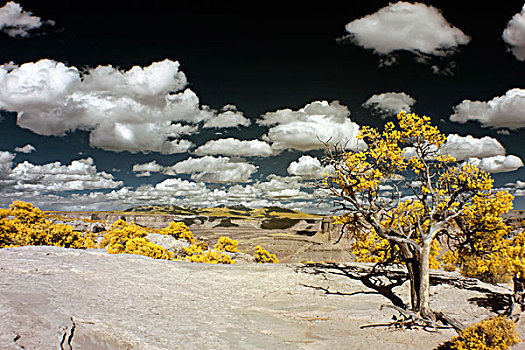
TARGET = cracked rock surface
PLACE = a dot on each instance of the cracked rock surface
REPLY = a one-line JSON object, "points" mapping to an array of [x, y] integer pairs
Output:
{"points": [[55, 298]]}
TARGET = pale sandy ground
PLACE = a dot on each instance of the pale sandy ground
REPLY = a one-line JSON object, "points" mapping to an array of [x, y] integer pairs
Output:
{"points": [[52, 297]]}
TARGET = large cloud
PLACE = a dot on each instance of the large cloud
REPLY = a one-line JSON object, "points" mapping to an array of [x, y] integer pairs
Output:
{"points": [[213, 169], [507, 111], [16, 22], [308, 167], [389, 103], [79, 175], [497, 164], [139, 110], [464, 147], [234, 147], [410, 27], [310, 127], [486, 153], [514, 35]]}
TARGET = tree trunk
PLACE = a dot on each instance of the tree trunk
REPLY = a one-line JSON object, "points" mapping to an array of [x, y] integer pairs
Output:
{"points": [[413, 274], [412, 264], [424, 281], [518, 298]]}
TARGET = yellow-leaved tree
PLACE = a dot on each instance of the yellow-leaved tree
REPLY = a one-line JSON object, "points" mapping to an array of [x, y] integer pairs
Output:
{"points": [[402, 196]]}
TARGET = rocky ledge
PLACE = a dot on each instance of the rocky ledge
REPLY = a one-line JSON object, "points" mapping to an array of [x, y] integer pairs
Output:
{"points": [[55, 298]]}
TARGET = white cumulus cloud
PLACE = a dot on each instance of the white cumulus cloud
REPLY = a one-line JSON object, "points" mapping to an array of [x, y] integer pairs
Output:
{"points": [[405, 26], [234, 147], [145, 169], [308, 167], [514, 35], [507, 111], [79, 175], [464, 147], [140, 110], [213, 169], [389, 103], [498, 164], [16, 22], [26, 149], [228, 118], [310, 127]]}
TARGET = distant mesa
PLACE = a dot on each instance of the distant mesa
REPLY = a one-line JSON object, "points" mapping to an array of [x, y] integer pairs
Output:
{"points": [[238, 211]]}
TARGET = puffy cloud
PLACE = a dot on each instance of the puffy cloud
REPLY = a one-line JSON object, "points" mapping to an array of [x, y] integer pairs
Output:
{"points": [[146, 169], [234, 147], [389, 103], [417, 28], [213, 169], [464, 147], [228, 118], [16, 22], [497, 164], [6, 162], [143, 137], [308, 167], [514, 35], [307, 128], [279, 187], [26, 149], [54, 177], [507, 111], [139, 110]]}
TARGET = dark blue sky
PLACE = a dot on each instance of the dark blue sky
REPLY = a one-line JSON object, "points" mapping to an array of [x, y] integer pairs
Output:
{"points": [[259, 56]]}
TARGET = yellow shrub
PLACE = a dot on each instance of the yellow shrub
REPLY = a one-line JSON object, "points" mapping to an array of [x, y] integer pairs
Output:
{"points": [[26, 213], [198, 253], [62, 235], [23, 224], [91, 240], [118, 235], [210, 257], [226, 244], [141, 246], [492, 333], [262, 256], [179, 230]]}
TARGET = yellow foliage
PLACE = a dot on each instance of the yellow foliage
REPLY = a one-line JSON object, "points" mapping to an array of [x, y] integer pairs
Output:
{"points": [[120, 233], [23, 224], [210, 257], [91, 240], [141, 246], [492, 333], [369, 247], [179, 230], [226, 244], [262, 256], [200, 254]]}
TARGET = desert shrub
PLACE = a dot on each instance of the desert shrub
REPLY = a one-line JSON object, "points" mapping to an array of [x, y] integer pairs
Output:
{"points": [[62, 235], [196, 253], [23, 224], [210, 257], [492, 333], [119, 234], [179, 230], [262, 256], [91, 240], [226, 244], [124, 238], [141, 246]]}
